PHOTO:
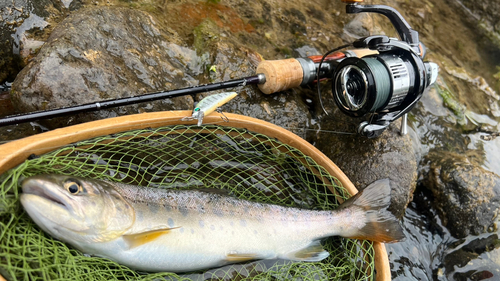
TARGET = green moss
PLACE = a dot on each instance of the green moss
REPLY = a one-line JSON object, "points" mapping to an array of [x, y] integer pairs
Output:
{"points": [[204, 33], [497, 79], [451, 103], [287, 52], [460, 46], [493, 35]]}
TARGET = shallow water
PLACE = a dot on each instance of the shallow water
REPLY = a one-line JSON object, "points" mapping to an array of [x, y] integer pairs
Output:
{"points": [[420, 255]]}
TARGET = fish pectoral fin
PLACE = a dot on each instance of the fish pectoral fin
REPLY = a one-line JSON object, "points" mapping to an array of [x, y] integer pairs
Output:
{"points": [[138, 239], [241, 257], [313, 252]]}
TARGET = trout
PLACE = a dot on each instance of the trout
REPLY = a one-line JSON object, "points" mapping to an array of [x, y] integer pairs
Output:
{"points": [[151, 229]]}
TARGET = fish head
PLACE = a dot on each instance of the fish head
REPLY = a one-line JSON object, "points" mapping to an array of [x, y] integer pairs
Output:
{"points": [[73, 209]]}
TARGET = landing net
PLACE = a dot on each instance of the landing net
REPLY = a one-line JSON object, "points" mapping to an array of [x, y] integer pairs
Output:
{"points": [[249, 165]]}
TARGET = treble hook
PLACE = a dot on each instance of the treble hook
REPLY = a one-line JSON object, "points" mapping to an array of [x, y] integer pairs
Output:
{"points": [[223, 117]]}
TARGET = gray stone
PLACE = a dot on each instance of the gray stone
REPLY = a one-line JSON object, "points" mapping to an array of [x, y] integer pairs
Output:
{"points": [[466, 196], [366, 160], [105, 53], [23, 25]]}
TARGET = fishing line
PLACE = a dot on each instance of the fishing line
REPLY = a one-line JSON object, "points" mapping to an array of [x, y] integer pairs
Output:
{"points": [[319, 68]]}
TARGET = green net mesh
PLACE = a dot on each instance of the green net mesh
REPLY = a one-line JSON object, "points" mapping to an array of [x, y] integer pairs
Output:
{"points": [[251, 166]]}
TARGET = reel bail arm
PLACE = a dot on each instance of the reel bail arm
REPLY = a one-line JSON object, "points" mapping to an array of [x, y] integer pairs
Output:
{"points": [[404, 30]]}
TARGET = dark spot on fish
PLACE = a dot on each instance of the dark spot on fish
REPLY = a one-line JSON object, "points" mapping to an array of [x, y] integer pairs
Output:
{"points": [[167, 207], [201, 209], [184, 211], [94, 203], [212, 227], [153, 208], [170, 222], [202, 223], [243, 222], [218, 212]]}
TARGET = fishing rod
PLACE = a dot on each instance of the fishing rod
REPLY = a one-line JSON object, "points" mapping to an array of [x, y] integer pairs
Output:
{"points": [[46, 114], [281, 77], [381, 77]]}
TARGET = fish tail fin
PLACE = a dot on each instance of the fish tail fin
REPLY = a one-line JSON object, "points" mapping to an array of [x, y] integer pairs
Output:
{"points": [[370, 218]]}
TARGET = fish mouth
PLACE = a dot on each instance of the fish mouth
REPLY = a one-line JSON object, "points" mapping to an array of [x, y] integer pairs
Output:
{"points": [[48, 205], [46, 189]]}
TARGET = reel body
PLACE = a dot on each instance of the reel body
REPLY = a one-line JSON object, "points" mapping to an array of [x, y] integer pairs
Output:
{"points": [[387, 84]]}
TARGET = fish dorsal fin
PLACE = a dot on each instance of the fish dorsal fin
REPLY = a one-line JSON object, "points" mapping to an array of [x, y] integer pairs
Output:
{"points": [[313, 252], [139, 239], [240, 257]]}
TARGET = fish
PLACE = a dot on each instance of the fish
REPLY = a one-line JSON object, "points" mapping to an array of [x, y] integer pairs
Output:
{"points": [[156, 230], [208, 105]]}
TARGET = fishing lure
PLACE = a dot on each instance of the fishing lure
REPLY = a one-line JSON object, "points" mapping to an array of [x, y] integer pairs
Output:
{"points": [[209, 105]]}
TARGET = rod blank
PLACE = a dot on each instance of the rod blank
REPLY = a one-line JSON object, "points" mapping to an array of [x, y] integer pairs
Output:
{"points": [[46, 114]]}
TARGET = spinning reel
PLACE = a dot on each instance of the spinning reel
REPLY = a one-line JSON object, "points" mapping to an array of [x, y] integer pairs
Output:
{"points": [[387, 83]]}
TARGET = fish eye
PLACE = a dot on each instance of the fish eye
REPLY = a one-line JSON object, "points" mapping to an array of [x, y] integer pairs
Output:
{"points": [[73, 187]]}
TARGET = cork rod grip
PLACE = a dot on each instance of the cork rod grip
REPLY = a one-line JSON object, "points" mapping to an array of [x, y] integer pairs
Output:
{"points": [[280, 75]]}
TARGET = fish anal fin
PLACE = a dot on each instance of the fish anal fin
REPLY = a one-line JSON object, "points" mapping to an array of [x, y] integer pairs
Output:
{"points": [[139, 239], [237, 257], [312, 253]]}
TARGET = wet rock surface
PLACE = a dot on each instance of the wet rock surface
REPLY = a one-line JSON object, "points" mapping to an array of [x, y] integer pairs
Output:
{"points": [[24, 27], [485, 14], [466, 196], [104, 53], [366, 160]]}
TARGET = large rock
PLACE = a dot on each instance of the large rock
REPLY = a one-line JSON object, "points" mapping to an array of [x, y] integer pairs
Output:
{"points": [[485, 10], [366, 160], [24, 27], [106, 53], [466, 196], [109, 52]]}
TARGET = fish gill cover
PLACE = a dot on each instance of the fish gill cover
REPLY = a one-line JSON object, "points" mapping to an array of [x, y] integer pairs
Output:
{"points": [[248, 165]]}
